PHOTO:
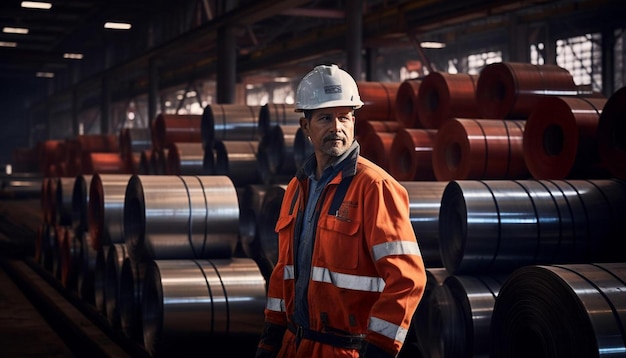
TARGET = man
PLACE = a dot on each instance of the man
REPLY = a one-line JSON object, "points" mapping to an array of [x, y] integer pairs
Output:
{"points": [[349, 274]]}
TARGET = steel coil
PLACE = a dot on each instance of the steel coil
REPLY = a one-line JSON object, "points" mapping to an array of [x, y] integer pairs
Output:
{"points": [[377, 148], [229, 122], [134, 140], [237, 160], [61, 234], [103, 163], [158, 161], [380, 100], [185, 159], [80, 203], [145, 162], [612, 134], [302, 148], [172, 128], [85, 281], [112, 278], [266, 222], [459, 316], [275, 114], [512, 90], [250, 209], [276, 154], [503, 225], [180, 217], [71, 257], [411, 154], [407, 111], [576, 311], [64, 188], [419, 330], [130, 296], [363, 129], [479, 149], [106, 208], [190, 306], [98, 279], [444, 95], [560, 139]]}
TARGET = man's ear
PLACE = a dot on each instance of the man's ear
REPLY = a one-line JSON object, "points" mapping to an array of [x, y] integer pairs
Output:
{"points": [[304, 124]]}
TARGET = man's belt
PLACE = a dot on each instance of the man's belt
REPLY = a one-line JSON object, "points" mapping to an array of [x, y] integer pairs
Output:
{"points": [[335, 340]]}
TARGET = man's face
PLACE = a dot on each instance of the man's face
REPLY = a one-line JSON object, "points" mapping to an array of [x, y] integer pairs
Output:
{"points": [[331, 131]]}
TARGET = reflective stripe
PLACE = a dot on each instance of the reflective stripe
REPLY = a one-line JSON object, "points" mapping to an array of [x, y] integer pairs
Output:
{"points": [[395, 248], [288, 272], [352, 282], [275, 304], [387, 329]]}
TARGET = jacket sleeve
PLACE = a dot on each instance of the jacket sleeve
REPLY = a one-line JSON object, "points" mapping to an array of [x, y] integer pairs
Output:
{"points": [[394, 250]]}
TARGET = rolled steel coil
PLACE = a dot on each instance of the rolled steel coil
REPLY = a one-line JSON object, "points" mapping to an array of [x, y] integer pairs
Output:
{"points": [[172, 128], [275, 114], [190, 306], [85, 283], [302, 148], [512, 90], [560, 139], [134, 140], [103, 163], [133, 162], [229, 122], [158, 161], [576, 311], [106, 208], [276, 154], [71, 256], [49, 152], [132, 277], [412, 154], [612, 134], [419, 330], [237, 160], [112, 280], [266, 223], [479, 149], [180, 217], [459, 317], [380, 100], [364, 129], [61, 234], [99, 280], [63, 200], [44, 201], [185, 159], [145, 162], [80, 203], [444, 95], [424, 204], [407, 111], [377, 148], [250, 209], [502, 225]]}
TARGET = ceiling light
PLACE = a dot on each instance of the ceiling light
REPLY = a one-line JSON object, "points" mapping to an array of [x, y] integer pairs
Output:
{"points": [[8, 44], [14, 30], [117, 25], [73, 56], [432, 44], [45, 74], [281, 79], [36, 5]]}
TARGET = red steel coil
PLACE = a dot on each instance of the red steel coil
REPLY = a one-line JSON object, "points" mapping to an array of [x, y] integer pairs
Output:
{"points": [[407, 111], [560, 140], [612, 134], [479, 149], [412, 152], [377, 148], [445, 95], [171, 128], [50, 152], [105, 163], [512, 90], [379, 100], [362, 128]]}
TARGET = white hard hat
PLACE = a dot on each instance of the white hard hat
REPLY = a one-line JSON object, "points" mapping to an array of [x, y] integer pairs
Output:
{"points": [[327, 86]]}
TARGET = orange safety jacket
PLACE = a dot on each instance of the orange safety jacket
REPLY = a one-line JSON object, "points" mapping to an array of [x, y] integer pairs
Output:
{"points": [[367, 274]]}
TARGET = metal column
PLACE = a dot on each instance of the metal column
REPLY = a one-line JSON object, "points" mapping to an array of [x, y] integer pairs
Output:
{"points": [[153, 90], [226, 65], [354, 38]]}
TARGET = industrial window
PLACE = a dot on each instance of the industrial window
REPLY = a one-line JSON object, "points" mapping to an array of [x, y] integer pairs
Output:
{"points": [[620, 60], [582, 57], [476, 62], [537, 54]]}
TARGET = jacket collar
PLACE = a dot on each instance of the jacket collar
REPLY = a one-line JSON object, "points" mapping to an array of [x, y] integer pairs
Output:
{"points": [[347, 163]]}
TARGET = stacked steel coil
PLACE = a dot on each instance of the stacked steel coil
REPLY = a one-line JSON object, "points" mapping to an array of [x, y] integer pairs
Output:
{"points": [[106, 209], [444, 95], [237, 160], [186, 158], [172, 128], [276, 154], [407, 106], [132, 277], [229, 122], [612, 134], [411, 154], [379, 99], [274, 114], [302, 148]]}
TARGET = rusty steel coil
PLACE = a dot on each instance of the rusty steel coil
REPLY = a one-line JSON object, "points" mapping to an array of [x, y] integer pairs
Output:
{"points": [[132, 275], [134, 140], [424, 205], [274, 114], [379, 100], [512, 89], [145, 162], [64, 189], [412, 153], [80, 203], [266, 223], [459, 315], [302, 148], [407, 111], [104, 163], [612, 134], [443, 96], [479, 149], [71, 256], [185, 159], [560, 140], [377, 148], [419, 329], [573, 311], [112, 278], [172, 128], [229, 122], [180, 217], [190, 306], [275, 154], [237, 160], [85, 281], [98, 280], [502, 225], [364, 129], [106, 209]]}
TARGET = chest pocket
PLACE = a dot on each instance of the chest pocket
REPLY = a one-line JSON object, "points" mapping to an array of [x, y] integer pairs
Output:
{"points": [[339, 242]]}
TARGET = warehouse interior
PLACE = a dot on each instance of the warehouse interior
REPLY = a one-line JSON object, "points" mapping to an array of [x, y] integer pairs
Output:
{"points": [[504, 121]]}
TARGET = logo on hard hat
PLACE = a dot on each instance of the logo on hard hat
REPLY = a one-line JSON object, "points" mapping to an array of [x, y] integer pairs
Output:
{"points": [[332, 89]]}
